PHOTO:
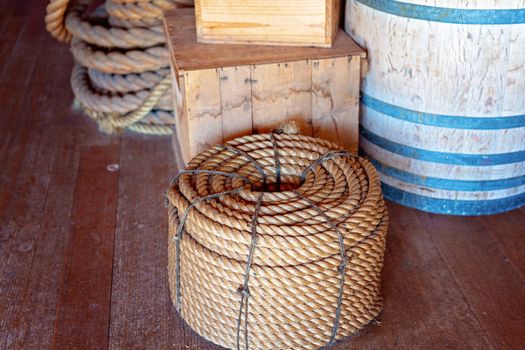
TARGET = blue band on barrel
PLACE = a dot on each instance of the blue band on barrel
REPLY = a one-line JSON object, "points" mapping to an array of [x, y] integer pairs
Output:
{"points": [[450, 206], [445, 14], [442, 157], [442, 120], [447, 184]]}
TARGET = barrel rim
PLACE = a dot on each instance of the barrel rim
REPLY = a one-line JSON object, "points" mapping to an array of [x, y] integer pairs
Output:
{"points": [[447, 14]]}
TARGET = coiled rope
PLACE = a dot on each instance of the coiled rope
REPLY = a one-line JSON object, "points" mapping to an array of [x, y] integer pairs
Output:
{"points": [[276, 242], [122, 76]]}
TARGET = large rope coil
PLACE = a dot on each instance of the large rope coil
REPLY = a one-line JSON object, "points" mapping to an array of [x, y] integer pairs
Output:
{"points": [[276, 242], [122, 76]]}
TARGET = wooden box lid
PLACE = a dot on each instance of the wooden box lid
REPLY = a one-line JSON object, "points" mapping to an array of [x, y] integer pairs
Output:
{"points": [[268, 22], [188, 55]]}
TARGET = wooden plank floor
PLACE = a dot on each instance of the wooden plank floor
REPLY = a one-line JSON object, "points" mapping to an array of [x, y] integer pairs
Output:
{"points": [[83, 233]]}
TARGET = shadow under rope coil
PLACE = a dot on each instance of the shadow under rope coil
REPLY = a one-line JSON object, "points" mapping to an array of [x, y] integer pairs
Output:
{"points": [[276, 242], [121, 78]]}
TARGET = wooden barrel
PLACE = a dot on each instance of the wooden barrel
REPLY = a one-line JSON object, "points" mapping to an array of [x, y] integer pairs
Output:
{"points": [[443, 101]]}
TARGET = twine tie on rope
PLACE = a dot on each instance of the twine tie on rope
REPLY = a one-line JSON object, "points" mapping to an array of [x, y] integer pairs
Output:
{"points": [[244, 289], [180, 229], [306, 285]]}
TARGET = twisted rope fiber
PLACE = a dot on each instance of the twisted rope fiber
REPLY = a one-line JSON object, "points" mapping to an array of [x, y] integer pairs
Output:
{"points": [[117, 103], [291, 224], [126, 83], [113, 36], [122, 61], [138, 10], [111, 123], [131, 23], [131, 61]]}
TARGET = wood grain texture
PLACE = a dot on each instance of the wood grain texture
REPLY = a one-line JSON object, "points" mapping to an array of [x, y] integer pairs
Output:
{"points": [[492, 285], [281, 92], [189, 55], [258, 88], [181, 142], [511, 235], [141, 312], [422, 73], [23, 45], [411, 60], [435, 314], [35, 181], [259, 98], [335, 100], [203, 109], [23, 230], [86, 287], [236, 101], [272, 22]]}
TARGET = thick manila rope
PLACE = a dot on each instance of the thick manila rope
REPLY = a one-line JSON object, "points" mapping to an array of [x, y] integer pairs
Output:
{"points": [[252, 265], [116, 56]]}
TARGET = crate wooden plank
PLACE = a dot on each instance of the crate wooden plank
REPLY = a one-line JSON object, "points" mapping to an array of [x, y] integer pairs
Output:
{"points": [[236, 101], [282, 91], [226, 91], [335, 85], [269, 22], [203, 109], [192, 55], [181, 120]]}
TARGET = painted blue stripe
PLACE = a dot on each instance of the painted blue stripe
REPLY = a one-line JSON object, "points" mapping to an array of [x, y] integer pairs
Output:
{"points": [[442, 157], [454, 207], [446, 184], [442, 120], [446, 14]]}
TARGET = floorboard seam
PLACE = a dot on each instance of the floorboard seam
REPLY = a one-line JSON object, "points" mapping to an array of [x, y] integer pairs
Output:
{"points": [[457, 284]]}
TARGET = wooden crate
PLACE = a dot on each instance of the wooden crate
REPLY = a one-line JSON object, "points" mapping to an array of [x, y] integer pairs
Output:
{"points": [[268, 22], [225, 91]]}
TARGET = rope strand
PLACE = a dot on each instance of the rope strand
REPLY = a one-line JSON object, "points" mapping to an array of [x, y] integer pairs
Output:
{"points": [[122, 61], [362, 222]]}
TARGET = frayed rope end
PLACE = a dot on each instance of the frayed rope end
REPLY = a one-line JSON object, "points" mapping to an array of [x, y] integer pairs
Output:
{"points": [[288, 127]]}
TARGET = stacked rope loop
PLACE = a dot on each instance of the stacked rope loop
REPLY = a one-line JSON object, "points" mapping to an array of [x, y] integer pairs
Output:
{"points": [[276, 242], [121, 77]]}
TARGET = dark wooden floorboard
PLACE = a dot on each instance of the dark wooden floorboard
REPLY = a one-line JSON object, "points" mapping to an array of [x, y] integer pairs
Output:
{"points": [[492, 285], [510, 229], [82, 317], [141, 315], [12, 20], [83, 249], [35, 319], [435, 313], [22, 220], [18, 70]]}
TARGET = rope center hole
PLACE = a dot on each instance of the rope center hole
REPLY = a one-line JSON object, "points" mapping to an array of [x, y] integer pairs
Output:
{"points": [[276, 187]]}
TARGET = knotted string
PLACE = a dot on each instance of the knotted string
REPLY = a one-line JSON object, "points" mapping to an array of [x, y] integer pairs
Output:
{"points": [[180, 228], [244, 290]]}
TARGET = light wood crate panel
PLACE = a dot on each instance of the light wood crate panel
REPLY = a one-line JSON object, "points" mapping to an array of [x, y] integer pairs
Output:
{"points": [[268, 22], [225, 91]]}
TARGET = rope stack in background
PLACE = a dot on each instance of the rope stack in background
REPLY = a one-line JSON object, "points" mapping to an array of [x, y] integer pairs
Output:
{"points": [[121, 78], [276, 242]]}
